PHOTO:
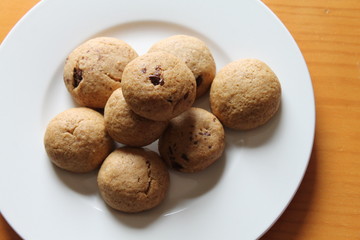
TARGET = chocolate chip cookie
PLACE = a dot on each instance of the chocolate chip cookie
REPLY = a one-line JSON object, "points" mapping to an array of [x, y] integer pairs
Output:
{"points": [[158, 86], [195, 54], [192, 141], [94, 70], [76, 140], [245, 94], [128, 128], [133, 179]]}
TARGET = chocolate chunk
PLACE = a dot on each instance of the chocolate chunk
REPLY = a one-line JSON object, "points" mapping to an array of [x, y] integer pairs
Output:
{"points": [[185, 157], [156, 79], [176, 166], [199, 80], [77, 75], [170, 150], [143, 70], [158, 68], [186, 95]]}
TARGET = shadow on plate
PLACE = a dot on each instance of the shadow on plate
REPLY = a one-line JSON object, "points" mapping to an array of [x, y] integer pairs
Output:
{"points": [[301, 206], [83, 183], [255, 137]]}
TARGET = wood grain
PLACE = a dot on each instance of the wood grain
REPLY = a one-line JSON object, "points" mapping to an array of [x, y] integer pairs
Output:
{"points": [[327, 205]]}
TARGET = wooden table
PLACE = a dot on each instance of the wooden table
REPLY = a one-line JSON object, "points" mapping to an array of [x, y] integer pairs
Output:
{"points": [[327, 205]]}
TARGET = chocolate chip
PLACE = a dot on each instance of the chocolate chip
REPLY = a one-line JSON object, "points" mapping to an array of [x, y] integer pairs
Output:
{"points": [[169, 100], [170, 150], [156, 79], [199, 80], [185, 157], [77, 75], [143, 70], [176, 166], [186, 95], [158, 68]]}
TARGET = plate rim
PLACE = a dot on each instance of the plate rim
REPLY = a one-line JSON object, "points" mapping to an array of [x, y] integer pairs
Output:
{"points": [[11, 222]]}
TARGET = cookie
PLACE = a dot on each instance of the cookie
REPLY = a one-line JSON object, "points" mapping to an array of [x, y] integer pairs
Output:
{"points": [[195, 54], [76, 140], [158, 86], [133, 180], [128, 128], [192, 141], [94, 70], [245, 94]]}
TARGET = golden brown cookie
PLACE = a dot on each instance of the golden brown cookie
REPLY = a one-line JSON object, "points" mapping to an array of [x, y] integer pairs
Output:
{"points": [[158, 86], [133, 180], [128, 128], [76, 140], [94, 70], [195, 54], [192, 141], [245, 94]]}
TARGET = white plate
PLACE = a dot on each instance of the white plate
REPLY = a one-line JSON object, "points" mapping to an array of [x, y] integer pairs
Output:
{"points": [[239, 197]]}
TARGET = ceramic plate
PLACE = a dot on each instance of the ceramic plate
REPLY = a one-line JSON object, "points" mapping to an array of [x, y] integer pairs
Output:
{"points": [[239, 197]]}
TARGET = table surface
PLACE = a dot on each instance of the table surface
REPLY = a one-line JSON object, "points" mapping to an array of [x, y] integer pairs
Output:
{"points": [[327, 204]]}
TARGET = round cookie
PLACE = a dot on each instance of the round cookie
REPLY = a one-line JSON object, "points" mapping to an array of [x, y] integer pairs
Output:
{"points": [[128, 128], [133, 179], [192, 141], [158, 86], [94, 70], [76, 140], [195, 54], [245, 94]]}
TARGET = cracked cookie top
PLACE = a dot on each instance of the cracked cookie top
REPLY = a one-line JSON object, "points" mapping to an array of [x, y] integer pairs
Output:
{"points": [[94, 70], [76, 140], [133, 179]]}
